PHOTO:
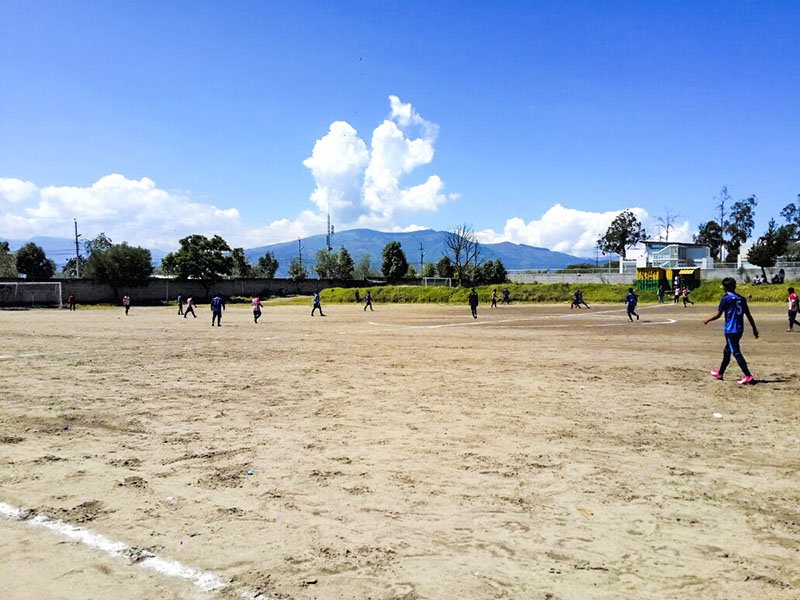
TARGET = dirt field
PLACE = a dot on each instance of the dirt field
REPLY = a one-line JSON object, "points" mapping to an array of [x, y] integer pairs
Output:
{"points": [[407, 453]]}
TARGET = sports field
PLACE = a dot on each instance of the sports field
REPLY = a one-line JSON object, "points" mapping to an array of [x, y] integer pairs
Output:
{"points": [[411, 452]]}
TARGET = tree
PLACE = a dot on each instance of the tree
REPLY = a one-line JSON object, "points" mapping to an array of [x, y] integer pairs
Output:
{"points": [[740, 224], [8, 262], [770, 246], [32, 262], [199, 257], [394, 265], [326, 264], [489, 272], [241, 267], [625, 232], [444, 268], [666, 223], [344, 264], [120, 265], [412, 272], [363, 268], [791, 212], [429, 270], [710, 234], [99, 244], [267, 265], [297, 271], [69, 268], [466, 249], [495, 271]]}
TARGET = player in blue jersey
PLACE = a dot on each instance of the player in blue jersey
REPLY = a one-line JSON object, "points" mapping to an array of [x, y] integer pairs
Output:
{"points": [[315, 305], [734, 307], [217, 306], [631, 300]]}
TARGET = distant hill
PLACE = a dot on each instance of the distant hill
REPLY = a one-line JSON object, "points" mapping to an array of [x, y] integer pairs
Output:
{"points": [[358, 242], [367, 241]]}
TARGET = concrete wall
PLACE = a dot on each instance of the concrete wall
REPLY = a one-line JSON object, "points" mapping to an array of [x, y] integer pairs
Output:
{"points": [[791, 273], [613, 277], [87, 291]]}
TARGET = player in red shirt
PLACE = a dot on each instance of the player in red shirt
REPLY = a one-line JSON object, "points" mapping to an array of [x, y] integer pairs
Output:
{"points": [[792, 304]]}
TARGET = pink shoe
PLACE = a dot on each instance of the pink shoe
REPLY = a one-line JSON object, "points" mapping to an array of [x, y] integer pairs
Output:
{"points": [[745, 379], [715, 374]]}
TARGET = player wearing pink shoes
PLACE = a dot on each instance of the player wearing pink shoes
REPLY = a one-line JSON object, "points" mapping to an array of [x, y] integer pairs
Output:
{"points": [[734, 307]]}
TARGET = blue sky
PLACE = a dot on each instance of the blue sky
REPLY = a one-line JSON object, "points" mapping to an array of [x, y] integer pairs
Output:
{"points": [[151, 120]]}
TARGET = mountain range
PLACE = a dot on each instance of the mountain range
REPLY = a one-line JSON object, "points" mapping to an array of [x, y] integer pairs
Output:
{"points": [[358, 242], [368, 241]]}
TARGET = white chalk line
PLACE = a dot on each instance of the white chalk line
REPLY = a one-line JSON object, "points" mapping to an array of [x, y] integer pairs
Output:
{"points": [[203, 580], [534, 318], [15, 356]]}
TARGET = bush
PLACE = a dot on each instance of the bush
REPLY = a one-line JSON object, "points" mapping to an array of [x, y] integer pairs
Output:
{"points": [[550, 293]]}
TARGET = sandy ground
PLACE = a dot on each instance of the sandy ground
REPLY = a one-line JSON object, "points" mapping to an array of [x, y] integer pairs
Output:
{"points": [[412, 452]]}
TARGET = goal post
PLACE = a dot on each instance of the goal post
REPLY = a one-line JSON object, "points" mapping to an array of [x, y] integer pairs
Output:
{"points": [[437, 281], [30, 294]]}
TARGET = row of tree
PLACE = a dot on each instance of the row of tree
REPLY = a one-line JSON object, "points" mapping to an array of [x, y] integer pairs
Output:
{"points": [[211, 259], [724, 237]]}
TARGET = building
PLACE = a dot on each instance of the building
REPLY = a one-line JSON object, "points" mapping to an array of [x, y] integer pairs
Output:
{"points": [[670, 255]]}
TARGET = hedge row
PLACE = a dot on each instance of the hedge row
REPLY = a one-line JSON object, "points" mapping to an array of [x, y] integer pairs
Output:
{"points": [[549, 293]]}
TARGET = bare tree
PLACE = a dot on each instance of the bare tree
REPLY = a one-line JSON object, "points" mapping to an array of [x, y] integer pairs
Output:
{"points": [[666, 223], [465, 249]]}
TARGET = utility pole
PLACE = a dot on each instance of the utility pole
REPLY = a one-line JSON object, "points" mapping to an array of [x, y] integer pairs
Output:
{"points": [[421, 258], [77, 252], [300, 252], [328, 234], [723, 198]]}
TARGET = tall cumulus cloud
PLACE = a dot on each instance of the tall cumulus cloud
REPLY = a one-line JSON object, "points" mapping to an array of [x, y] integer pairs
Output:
{"points": [[360, 185]]}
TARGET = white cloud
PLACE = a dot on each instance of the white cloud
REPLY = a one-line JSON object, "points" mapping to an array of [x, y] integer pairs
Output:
{"points": [[363, 189], [561, 229], [360, 186], [337, 162], [15, 190], [125, 209]]}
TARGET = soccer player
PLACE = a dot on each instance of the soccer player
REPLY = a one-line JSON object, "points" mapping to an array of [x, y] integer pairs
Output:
{"points": [[256, 309], [126, 302], [677, 292], [506, 297], [630, 304], [661, 293], [494, 297], [180, 304], [580, 299], [574, 301], [686, 297], [367, 301], [316, 305], [217, 306], [792, 304], [189, 308], [473, 303], [734, 307], [71, 301]]}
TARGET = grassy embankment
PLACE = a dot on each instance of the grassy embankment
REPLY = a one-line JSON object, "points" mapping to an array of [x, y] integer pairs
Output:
{"points": [[552, 293]]}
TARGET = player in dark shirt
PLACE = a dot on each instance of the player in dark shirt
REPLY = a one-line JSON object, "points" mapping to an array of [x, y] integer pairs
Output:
{"points": [[217, 306], [631, 300], [735, 308], [473, 303]]}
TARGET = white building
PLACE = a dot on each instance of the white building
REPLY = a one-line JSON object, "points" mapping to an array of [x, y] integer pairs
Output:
{"points": [[668, 255]]}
